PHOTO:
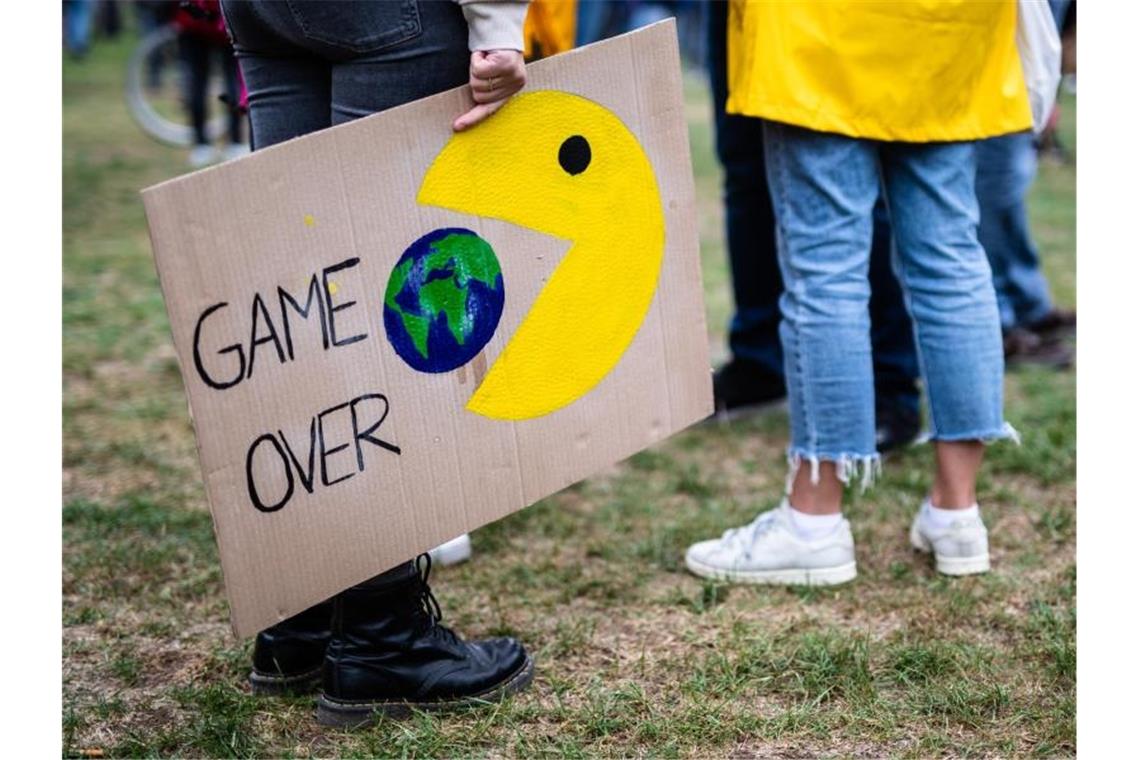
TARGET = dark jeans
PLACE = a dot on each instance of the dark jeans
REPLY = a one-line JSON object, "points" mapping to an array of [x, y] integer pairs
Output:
{"points": [[753, 333], [311, 65], [196, 54]]}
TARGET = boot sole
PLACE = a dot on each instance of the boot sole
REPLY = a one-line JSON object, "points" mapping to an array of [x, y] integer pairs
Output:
{"points": [[816, 576], [331, 712], [270, 685], [950, 565]]}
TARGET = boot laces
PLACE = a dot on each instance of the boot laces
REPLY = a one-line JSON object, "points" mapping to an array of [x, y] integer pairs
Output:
{"points": [[427, 599]]}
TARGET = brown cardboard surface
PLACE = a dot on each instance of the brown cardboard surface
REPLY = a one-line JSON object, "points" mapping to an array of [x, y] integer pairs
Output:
{"points": [[284, 214]]}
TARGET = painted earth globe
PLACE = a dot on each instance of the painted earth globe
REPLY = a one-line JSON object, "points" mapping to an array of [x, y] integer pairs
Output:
{"points": [[444, 300]]}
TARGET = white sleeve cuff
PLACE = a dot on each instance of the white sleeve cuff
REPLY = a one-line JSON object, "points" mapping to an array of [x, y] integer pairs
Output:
{"points": [[494, 25]]}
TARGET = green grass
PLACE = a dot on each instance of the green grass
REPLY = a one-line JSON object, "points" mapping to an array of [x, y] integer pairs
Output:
{"points": [[635, 657]]}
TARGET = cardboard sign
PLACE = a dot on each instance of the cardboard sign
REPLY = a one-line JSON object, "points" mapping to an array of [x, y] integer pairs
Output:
{"points": [[391, 334]]}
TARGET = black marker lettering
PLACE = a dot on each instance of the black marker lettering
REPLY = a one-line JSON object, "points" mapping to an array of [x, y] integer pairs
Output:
{"points": [[254, 496], [326, 452], [314, 292], [306, 477], [198, 364], [332, 310], [366, 435], [258, 308]]}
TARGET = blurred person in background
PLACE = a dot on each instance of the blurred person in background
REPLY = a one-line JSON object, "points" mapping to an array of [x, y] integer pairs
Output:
{"points": [[151, 15], [599, 19], [77, 19], [754, 375], [110, 19], [1065, 15], [378, 647], [202, 38], [1033, 327], [863, 98]]}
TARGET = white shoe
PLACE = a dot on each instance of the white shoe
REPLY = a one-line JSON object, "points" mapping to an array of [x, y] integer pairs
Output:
{"points": [[202, 155], [768, 550], [235, 150], [452, 552], [961, 548]]}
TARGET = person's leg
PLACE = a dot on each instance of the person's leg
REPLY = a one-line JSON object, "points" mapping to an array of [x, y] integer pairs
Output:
{"points": [[1030, 322], [290, 90], [949, 290], [149, 17], [195, 54], [288, 97], [1006, 167], [77, 21], [387, 647], [196, 59], [230, 77], [824, 188], [755, 373], [897, 418]]}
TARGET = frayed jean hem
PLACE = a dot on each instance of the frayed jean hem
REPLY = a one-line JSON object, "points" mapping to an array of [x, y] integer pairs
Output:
{"points": [[1007, 433], [848, 467]]}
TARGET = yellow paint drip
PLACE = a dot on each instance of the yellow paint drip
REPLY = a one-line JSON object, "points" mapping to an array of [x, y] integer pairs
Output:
{"points": [[591, 308]]}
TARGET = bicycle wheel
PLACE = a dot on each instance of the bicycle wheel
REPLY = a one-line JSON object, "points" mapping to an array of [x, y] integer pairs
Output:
{"points": [[154, 91]]}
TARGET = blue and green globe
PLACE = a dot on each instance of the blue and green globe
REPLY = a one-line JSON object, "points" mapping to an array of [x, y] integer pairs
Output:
{"points": [[444, 300]]}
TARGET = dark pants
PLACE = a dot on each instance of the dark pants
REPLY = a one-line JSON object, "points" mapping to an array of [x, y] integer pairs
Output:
{"points": [[311, 65], [753, 333], [196, 53]]}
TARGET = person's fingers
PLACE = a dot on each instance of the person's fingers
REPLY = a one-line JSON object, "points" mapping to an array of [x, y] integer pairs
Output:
{"points": [[496, 63], [484, 66], [477, 114], [502, 90], [495, 75], [486, 85], [484, 96]]}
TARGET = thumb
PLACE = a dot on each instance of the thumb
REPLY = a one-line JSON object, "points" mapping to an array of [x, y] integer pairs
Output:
{"points": [[476, 115]]}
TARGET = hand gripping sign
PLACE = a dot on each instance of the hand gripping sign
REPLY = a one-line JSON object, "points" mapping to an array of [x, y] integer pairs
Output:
{"points": [[391, 334]]}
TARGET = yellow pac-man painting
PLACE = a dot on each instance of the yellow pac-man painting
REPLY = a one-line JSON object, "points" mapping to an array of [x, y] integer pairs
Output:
{"points": [[391, 334], [562, 165]]}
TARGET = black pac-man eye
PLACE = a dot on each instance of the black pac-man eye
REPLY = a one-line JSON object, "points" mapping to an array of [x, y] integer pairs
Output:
{"points": [[574, 155]]}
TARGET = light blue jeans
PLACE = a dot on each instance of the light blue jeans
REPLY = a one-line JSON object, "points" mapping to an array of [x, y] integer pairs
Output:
{"points": [[823, 190]]}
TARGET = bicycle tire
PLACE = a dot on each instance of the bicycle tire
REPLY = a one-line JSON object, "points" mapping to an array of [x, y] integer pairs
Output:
{"points": [[144, 113]]}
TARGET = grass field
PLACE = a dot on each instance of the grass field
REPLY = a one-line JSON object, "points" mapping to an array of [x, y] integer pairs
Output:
{"points": [[635, 657]]}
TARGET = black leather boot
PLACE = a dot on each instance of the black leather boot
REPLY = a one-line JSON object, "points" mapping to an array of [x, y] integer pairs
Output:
{"points": [[389, 654], [287, 657]]}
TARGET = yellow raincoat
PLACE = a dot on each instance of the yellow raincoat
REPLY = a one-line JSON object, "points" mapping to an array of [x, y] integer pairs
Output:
{"points": [[549, 28], [905, 70]]}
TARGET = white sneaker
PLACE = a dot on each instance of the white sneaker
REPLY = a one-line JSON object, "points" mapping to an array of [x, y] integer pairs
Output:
{"points": [[768, 550], [452, 552], [961, 548], [235, 150], [202, 155]]}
